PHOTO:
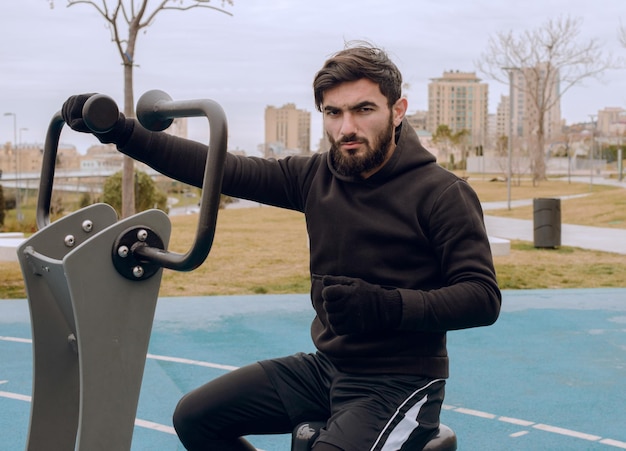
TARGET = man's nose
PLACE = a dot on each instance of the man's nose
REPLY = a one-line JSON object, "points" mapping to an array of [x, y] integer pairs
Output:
{"points": [[348, 125]]}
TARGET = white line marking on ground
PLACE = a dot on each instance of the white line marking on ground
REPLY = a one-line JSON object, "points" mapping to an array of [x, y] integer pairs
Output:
{"points": [[155, 426], [192, 362], [568, 432], [475, 413], [16, 339], [6, 394], [138, 422], [615, 443], [164, 358], [159, 427], [516, 421], [539, 426], [518, 434], [3, 382]]}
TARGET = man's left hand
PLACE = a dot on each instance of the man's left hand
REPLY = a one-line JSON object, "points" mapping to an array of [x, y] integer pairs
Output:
{"points": [[355, 306]]}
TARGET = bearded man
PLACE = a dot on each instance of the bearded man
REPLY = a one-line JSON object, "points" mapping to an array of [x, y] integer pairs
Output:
{"points": [[398, 256]]}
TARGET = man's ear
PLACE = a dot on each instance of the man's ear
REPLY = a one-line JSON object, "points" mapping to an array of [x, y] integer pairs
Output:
{"points": [[399, 110]]}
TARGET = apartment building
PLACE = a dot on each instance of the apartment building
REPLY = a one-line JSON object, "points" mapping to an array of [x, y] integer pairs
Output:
{"points": [[503, 116], [611, 122], [418, 120], [287, 131], [27, 157], [535, 90], [460, 101]]}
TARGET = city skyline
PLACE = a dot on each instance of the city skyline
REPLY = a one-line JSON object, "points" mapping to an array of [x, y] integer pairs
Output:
{"points": [[267, 54]]}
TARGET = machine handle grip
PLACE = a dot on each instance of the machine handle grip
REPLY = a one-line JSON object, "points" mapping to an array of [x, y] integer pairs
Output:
{"points": [[100, 113]]}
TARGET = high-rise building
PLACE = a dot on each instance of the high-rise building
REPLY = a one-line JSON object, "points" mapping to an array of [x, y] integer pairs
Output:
{"points": [[287, 131], [503, 115], [460, 101], [535, 90]]}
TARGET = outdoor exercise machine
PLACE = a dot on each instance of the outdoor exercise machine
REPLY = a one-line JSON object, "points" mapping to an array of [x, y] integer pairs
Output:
{"points": [[92, 284]]}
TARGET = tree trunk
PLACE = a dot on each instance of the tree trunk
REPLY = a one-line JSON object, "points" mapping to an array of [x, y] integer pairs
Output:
{"points": [[540, 160], [128, 174], [539, 163]]}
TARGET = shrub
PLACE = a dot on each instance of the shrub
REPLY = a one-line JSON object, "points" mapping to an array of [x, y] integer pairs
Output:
{"points": [[147, 195]]}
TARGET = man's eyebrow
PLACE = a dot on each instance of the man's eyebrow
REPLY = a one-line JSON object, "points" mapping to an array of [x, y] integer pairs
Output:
{"points": [[365, 103], [358, 106]]}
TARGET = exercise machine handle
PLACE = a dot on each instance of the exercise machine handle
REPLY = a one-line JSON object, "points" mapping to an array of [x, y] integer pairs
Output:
{"points": [[100, 114], [46, 180], [155, 111]]}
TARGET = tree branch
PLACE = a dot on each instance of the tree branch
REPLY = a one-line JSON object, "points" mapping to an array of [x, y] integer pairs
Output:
{"points": [[622, 35], [544, 56], [102, 11], [196, 5]]}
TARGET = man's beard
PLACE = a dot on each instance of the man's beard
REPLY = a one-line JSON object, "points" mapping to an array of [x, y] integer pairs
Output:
{"points": [[352, 165]]}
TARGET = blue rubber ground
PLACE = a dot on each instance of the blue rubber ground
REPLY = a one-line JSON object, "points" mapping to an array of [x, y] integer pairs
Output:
{"points": [[549, 375]]}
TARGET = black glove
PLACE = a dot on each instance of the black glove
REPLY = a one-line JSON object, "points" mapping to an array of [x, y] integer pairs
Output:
{"points": [[72, 112], [355, 306]]}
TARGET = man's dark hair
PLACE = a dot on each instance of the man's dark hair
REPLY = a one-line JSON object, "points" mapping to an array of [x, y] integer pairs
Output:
{"points": [[357, 62]]}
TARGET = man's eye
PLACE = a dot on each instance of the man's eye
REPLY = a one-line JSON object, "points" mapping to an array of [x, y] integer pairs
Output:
{"points": [[366, 109], [331, 113]]}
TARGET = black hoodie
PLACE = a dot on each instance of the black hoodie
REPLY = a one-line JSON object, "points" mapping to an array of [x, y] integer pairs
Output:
{"points": [[412, 226]]}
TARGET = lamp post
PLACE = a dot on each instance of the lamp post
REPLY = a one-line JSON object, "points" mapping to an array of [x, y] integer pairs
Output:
{"points": [[509, 163], [18, 211], [620, 159], [19, 167], [592, 150]]}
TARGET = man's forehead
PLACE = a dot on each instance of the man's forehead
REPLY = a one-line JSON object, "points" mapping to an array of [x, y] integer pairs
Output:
{"points": [[351, 93]]}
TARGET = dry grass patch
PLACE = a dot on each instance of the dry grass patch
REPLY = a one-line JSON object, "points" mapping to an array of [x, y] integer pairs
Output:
{"points": [[493, 191], [567, 267], [604, 206], [12, 282], [599, 209], [265, 249], [255, 251]]}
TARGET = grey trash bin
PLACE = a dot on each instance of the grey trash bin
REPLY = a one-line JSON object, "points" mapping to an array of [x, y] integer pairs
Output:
{"points": [[547, 222]]}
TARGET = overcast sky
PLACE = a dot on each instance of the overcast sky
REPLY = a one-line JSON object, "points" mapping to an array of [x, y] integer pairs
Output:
{"points": [[267, 54]]}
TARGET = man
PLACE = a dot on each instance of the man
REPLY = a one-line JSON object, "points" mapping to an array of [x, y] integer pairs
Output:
{"points": [[398, 256]]}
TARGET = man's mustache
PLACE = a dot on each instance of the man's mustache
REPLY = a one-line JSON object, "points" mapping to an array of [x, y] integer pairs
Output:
{"points": [[351, 138]]}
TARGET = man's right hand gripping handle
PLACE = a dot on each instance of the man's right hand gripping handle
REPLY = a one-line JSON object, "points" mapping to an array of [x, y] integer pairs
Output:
{"points": [[72, 112]]}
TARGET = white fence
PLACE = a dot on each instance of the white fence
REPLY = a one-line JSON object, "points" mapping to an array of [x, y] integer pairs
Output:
{"points": [[521, 165]]}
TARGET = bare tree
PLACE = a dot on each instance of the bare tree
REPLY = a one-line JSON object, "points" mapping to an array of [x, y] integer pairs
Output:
{"points": [[125, 19], [549, 56]]}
